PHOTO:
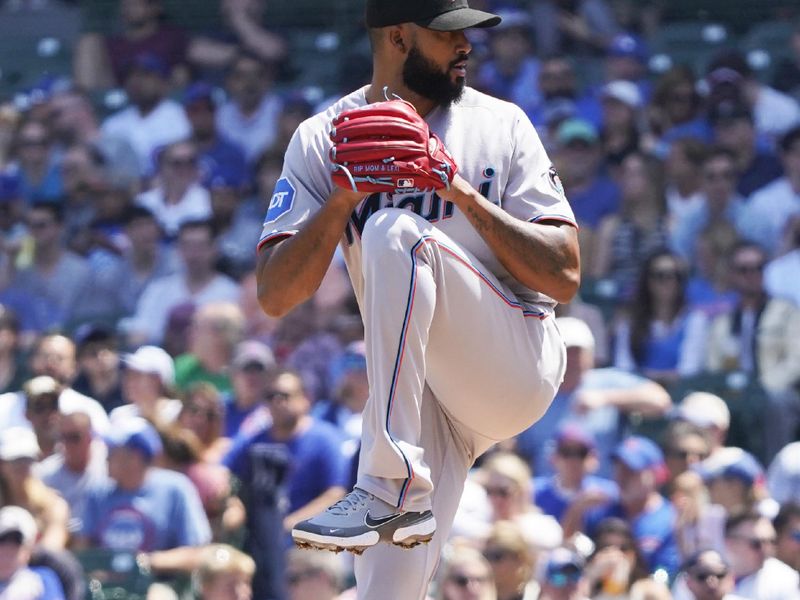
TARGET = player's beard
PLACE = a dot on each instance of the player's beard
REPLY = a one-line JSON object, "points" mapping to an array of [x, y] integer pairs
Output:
{"points": [[423, 76]]}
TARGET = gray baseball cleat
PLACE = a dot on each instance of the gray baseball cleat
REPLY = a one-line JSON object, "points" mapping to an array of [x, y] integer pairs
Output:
{"points": [[360, 520]]}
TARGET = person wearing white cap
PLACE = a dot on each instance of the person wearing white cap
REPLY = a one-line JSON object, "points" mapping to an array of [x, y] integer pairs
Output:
{"points": [[147, 381], [53, 356], [19, 450], [592, 398], [621, 103], [710, 413], [18, 533]]}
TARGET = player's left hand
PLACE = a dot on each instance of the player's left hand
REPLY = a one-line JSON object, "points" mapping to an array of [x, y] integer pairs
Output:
{"points": [[388, 147]]}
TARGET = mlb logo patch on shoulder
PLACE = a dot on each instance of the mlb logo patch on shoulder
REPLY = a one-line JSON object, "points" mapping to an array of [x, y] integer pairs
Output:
{"points": [[281, 202]]}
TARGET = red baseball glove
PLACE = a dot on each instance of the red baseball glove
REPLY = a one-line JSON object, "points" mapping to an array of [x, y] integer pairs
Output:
{"points": [[388, 147]]}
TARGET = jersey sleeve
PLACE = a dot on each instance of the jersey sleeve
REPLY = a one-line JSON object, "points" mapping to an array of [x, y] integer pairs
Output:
{"points": [[533, 191], [302, 188]]}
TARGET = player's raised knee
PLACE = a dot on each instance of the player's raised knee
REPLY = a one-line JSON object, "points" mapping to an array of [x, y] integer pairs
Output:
{"points": [[392, 229]]}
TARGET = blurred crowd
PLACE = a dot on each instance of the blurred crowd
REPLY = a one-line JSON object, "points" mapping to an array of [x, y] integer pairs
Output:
{"points": [[159, 434]]}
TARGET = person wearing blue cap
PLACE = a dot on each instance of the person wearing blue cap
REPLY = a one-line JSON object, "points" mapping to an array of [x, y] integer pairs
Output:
{"points": [[142, 508], [563, 576], [639, 471], [215, 151]]}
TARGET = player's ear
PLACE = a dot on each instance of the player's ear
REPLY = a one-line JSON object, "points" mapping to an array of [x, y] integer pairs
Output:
{"points": [[398, 38]]}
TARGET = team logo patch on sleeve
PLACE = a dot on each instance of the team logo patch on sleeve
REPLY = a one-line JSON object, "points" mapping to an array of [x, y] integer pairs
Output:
{"points": [[281, 202], [555, 180]]}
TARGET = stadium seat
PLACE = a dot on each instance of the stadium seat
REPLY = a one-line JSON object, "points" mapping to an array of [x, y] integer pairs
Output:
{"points": [[114, 575], [765, 44], [692, 43]]}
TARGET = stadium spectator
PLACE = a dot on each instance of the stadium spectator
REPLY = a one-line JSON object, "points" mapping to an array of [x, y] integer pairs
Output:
{"points": [[784, 474], [294, 457], [147, 381], [202, 414], [20, 487], [758, 338], [46, 291], [774, 113], [40, 175], [198, 283], [142, 508], [464, 573], [41, 411], [144, 257], [244, 405], [12, 363], [215, 151], [563, 576], [100, 374], [18, 580], [700, 524], [706, 575], [621, 104], [177, 197], [79, 464], [674, 114], [750, 541], [770, 208], [661, 337], [224, 573], [513, 562], [214, 333], [560, 95], [597, 399], [153, 119], [779, 273], [572, 26], [574, 462], [506, 479], [237, 222], [734, 130], [511, 71], [616, 563], [73, 121], [735, 481], [787, 530], [683, 178], [250, 117], [720, 207], [624, 239], [626, 59], [639, 471], [313, 575], [242, 27], [53, 356], [709, 413], [684, 445], [578, 157]]}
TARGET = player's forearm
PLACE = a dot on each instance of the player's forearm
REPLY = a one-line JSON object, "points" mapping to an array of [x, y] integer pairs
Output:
{"points": [[543, 257], [291, 271], [650, 399]]}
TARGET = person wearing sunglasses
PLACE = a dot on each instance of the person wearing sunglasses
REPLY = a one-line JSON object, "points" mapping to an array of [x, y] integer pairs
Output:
{"points": [[465, 574], [574, 460], [563, 576], [758, 337], [750, 546], [705, 575], [513, 561]]}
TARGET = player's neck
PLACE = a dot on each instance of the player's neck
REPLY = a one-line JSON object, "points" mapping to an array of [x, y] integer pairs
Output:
{"points": [[395, 86]]}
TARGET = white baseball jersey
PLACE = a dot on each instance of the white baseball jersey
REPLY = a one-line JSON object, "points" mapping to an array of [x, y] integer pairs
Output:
{"points": [[496, 149], [460, 355]]}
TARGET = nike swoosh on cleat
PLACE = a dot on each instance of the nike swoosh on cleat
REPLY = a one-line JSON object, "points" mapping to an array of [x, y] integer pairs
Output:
{"points": [[374, 523]]}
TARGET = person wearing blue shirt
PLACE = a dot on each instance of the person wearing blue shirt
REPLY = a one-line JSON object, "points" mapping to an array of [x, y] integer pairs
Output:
{"points": [[574, 461], [290, 469], [639, 471], [141, 508], [244, 406]]}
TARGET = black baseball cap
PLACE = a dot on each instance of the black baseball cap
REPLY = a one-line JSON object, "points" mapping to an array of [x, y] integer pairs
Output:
{"points": [[441, 15]]}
